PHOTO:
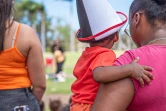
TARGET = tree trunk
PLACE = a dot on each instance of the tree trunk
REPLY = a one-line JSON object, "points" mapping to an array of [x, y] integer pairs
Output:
{"points": [[43, 38], [72, 41]]}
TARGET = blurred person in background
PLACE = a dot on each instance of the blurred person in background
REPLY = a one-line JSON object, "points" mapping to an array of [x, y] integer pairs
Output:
{"points": [[59, 56], [22, 74]]}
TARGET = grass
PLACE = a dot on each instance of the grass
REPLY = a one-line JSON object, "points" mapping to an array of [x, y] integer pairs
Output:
{"points": [[63, 88], [71, 59], [118, 53], [59, 88]]}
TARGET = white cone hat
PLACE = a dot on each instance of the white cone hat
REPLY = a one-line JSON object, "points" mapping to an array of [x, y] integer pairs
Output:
{"points": [[97, 20]]}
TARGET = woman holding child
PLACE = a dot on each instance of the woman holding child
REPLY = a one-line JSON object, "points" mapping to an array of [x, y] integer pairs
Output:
{"points": [[100, 24], [148, 30]]}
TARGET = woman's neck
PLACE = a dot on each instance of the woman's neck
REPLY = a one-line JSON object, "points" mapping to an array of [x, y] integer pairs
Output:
{"points": [[156, 37]]}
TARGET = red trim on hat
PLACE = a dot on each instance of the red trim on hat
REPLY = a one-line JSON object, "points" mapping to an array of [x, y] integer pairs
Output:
{"points": [[78, 32], [100, 33]]}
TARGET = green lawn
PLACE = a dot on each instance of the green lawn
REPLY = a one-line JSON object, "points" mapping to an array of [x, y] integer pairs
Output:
{"points": [[63, 88], [59, 88], [71, 59]]}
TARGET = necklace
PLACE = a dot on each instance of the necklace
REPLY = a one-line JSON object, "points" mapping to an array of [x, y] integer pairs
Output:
{"points": [[156, 40]]}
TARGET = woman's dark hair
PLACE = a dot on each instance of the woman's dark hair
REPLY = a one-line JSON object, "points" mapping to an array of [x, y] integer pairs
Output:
{"points": [[6, 7], [59, 47], [154, 10]]}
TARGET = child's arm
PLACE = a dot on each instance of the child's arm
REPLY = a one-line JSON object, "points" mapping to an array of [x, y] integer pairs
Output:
{"points": [[113, 73]]}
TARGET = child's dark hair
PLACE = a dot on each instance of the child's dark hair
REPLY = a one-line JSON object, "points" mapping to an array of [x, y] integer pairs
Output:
{"points": [[6, 7], [154, 10], [55, 105], [42, 106], [106, 38]]}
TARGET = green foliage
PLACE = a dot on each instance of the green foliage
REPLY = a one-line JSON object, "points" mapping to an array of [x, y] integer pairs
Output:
{"points": [[30, 12], [63, 32], [30, 5], [29, 9]]}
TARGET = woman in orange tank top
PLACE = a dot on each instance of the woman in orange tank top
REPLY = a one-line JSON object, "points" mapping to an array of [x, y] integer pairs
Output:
{"points": [[22, 76]]}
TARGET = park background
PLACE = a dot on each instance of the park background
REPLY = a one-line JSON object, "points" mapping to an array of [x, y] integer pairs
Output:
{"points": [[57, 19]]}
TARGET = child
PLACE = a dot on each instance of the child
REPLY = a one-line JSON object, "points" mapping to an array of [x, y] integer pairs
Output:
{"points": [[99, 27]]}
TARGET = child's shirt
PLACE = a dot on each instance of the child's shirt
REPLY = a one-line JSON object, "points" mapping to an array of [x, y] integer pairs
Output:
{"points": [[85, 88]]}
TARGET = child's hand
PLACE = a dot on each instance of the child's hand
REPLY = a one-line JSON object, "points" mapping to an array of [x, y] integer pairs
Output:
{"points": [[141, 73]]}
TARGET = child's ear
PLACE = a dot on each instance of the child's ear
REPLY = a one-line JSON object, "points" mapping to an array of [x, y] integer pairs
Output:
{"points": [[116, 38]]}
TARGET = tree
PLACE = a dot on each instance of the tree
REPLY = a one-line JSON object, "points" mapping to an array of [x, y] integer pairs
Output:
{"points": [[28, 11], [32, 13], [72, 41], [63, 33]]}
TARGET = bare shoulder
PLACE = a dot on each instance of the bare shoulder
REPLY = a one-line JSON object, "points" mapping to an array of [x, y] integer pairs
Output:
{"points": [[27, 30], [27, 39], [28, 34]]}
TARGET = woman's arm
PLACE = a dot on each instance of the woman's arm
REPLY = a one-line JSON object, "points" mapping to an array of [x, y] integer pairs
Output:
{"points": [[35, 65], [115, 96]]}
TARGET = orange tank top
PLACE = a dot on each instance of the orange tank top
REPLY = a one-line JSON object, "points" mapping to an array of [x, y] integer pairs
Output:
{"points": [[13, 71]]}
